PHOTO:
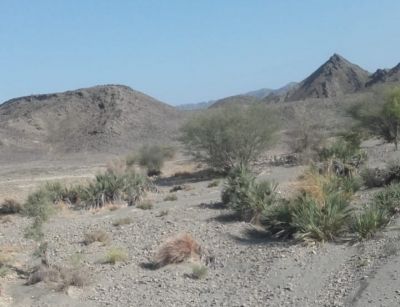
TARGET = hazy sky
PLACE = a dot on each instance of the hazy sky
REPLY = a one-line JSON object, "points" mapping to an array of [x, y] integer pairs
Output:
{"points": [[189, 50]]}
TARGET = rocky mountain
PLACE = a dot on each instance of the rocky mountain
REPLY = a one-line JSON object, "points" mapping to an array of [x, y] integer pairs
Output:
{"points": [[384, 76], [109, 118], [335, 77]]}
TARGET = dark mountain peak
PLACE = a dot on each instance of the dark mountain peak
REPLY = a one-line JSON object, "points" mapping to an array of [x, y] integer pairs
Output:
{"points": [[335, 77], [384, 75]]}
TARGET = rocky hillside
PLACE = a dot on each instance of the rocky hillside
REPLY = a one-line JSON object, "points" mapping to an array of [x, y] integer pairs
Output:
{"points": [[385, 76], [110, 118], [335, 77]]}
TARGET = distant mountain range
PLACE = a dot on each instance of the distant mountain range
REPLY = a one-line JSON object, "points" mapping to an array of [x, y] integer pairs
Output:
{"points": [[336, 77]]}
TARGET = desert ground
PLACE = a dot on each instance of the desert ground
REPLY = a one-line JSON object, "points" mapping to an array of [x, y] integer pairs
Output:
{"points": [[243, 266]]}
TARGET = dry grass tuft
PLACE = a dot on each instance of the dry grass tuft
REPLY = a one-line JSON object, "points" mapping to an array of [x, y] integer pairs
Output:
{"points": [[115, 255], [171, 197], [177, 249], [145, 205], [96, 236], [123, 221]]}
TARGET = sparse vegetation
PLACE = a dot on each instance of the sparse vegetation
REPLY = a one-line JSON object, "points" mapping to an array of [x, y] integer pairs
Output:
{"points": [[97, 235], [171, 197], [152, 158], [123, 221], [227, 137], [115, 255], [145, 205]]}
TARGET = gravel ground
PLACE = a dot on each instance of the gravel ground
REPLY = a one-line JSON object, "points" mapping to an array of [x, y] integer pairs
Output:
{"points": [[248, 270]]}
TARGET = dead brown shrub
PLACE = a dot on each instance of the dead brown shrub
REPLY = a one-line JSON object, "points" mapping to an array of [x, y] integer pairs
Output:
{"points": [[177, 249]]}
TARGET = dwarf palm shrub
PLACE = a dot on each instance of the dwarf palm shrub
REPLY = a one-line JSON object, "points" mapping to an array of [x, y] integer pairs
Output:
{"points": [[368, 222], [320, 222], [389, 198]]}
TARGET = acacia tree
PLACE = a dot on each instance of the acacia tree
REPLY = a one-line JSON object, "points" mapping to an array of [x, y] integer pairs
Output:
{"points": [[382, 120], [229, 136]]}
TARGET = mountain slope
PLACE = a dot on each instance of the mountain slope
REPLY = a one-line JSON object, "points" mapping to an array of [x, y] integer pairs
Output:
{"points": [[335, 77], [109, 118], [385, 76]]}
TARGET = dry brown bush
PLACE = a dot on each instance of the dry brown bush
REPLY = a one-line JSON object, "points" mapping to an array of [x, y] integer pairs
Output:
{"points": [[177, 249]]}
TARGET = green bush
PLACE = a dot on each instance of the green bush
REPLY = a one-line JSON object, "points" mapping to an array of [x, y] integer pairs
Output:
{"points": [[367, 223], [246, 196], [278, 220], [153, 157], [374, 177], [389, 198], [320, 223], [110, 187], [40, 204], [346, 152], [228, 136]]}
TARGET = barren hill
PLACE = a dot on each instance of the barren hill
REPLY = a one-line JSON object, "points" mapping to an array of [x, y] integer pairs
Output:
{"points": [[109, 118], [335, 77]]}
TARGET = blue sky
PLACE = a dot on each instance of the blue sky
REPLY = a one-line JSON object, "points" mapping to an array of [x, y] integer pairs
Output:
{"points": [[185, 51]]}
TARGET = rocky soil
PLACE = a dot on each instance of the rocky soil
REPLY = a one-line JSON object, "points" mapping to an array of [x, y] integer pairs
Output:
{"points": [[244, 268]]}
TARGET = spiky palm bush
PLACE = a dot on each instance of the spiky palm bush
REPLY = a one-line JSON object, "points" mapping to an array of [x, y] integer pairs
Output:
{"points": [[320, 222], [110, 187], [278, 219], [246, 196], [389, 198], [367, 223]]}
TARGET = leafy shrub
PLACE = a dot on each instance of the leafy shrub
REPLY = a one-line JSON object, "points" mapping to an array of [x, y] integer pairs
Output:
{"points": [[145, 205], [171, 197], [367, 223], [153, 157], [10, 206], [228, 136], [320, 222], [115, 255], [96, 236], [389, 198], [40, 204]]}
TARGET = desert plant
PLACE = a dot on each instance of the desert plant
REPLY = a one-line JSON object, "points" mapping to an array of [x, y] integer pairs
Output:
{"points": [[3, 271], [374, 177], [389, 198], [246, 196], [325, 222], [153, 157], [345, 151], [177, 249], [39, 204], [228, 136], [171, 197], [278, 219], [115, 255], [368, 222], [110, 187], [199, 271], [145, 205], [381, 119], [97, 235], [123, 221], [10, 206]]}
